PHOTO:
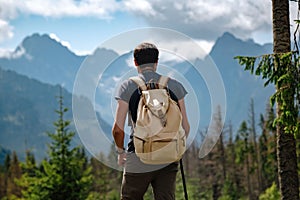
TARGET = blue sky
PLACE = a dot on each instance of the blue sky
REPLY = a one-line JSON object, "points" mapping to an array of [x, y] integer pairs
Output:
{"points": [[82, 34], [82, 25]]}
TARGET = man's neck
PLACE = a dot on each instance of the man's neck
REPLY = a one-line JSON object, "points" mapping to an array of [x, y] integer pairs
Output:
{"points": [[147, 69]]}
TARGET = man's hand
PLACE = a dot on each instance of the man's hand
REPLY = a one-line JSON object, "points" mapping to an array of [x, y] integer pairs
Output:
{"points": [[121, 159]]}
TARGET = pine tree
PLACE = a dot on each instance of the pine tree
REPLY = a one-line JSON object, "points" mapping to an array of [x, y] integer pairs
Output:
{"points": [[267, 143], [4, 176], [29, 167], [102, 181], [244, 155], [231, 188], [7, 163], [2, 185], [65, 175], [14, 173]]}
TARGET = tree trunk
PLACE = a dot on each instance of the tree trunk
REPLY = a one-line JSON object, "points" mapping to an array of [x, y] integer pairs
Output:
{"points": [[221, 144], [250, 193], [234, 169], [286, 146], [223, 159], [256, 159]]}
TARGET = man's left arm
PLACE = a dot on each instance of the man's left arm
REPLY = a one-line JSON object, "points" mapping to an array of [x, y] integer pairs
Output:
{"points": [[185, 122]]}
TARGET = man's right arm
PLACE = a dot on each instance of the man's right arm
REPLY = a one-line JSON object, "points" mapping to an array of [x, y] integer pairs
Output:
{"points": [[118, 128]]}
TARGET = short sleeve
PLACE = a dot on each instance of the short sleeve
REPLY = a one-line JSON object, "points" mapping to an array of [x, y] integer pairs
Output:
{"points": [[125, 91], [177, 88]]}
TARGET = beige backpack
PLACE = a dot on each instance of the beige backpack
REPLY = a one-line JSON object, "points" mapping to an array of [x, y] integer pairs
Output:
{"points": [[158, 134]]}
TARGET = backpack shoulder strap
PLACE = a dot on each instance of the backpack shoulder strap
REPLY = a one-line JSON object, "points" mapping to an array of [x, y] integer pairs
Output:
{"points": [[139, 81], [162, 82]]}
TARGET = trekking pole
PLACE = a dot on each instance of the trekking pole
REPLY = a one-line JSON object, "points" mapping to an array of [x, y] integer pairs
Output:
{"points": [[183, 180]]}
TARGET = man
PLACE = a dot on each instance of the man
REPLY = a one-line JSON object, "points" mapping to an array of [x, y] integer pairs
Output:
{"points": [[137, 175]]}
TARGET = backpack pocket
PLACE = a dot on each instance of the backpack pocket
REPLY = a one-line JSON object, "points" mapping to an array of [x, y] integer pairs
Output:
{"points": [[160, 150], [165, 151]]}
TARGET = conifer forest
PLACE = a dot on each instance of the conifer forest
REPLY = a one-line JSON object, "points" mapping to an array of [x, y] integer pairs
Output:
{"points": [[257, 159]]}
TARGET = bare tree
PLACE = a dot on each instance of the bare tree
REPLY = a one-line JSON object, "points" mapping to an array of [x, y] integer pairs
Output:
{"points": [[256, 155]]}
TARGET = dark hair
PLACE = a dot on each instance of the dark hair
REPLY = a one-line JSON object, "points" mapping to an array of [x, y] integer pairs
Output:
{"points": [[146, 53]]}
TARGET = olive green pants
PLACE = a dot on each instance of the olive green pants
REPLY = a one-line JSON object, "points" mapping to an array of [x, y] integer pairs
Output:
{"points": [[135, 184]]}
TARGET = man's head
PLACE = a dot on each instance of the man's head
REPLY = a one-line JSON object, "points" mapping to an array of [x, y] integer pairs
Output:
{"points": [[146, 55]]}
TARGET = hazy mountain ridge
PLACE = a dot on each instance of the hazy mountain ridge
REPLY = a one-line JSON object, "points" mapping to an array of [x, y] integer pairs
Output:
{"points": [[240, 85], [45, 59], [28, 112], [27, 104]]}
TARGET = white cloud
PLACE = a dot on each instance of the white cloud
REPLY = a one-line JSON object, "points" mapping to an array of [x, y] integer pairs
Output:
{"points": [[116, 79], [140, 6], [202, 19], [4, 53], [73, 8], [20, 52], [9, 9], [184, 50], [207, 20], [106, 86], [6, 30], [68, 45], [201, 11], [12, 9], [57, 39], [130, 62], [82, 52]]}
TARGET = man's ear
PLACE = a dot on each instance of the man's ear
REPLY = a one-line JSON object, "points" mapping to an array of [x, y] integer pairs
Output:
{"points": [[137, 66], [135, 63]]}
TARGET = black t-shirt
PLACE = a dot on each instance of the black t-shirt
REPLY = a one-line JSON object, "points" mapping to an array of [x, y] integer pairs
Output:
{"points": [[129, 92]]}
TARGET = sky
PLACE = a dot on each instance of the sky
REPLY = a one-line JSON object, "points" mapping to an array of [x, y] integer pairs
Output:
{"points": [[82, 25]]}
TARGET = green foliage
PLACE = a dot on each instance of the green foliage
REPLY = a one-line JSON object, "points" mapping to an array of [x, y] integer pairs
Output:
{"points": [[26, 112], [192, 189], [114, 195], [267, 146], [242, 143], [271, 193], [283, 70], [65, 175], [14, 172], [7, 163], [149, 194], [41, 181], [106, 181], [229, 191]]}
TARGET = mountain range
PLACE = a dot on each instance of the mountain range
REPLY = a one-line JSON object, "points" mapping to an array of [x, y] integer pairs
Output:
{"points": [[30, 78], [28, 112]]}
